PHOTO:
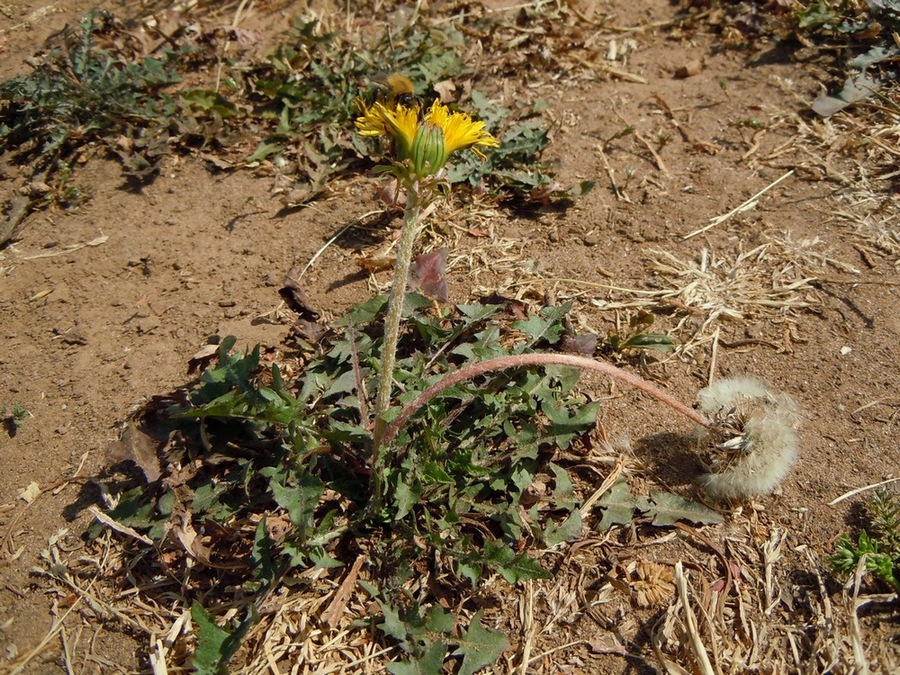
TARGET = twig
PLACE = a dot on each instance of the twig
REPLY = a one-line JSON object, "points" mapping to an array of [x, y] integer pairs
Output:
{"points": [[714, 357], [771, 553], [609, 172], [118, 527], [335, 609], [594, 284], [328, 243], [600, 491], [556, 649], [69, 249], [743, 206], [529, 627], [659, 163], [615, 72], [861, 665]]}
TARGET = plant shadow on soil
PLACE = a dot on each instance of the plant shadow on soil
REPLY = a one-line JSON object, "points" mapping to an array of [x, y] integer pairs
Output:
{"points": [[671, 458]]}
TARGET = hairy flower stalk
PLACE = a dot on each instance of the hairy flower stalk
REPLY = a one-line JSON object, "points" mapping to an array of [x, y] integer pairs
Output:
{"points": [[422, 144], [395, 309], [519, 360]]}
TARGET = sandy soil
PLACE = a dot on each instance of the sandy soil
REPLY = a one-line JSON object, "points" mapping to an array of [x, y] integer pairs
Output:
{"points": [[103, 306]]}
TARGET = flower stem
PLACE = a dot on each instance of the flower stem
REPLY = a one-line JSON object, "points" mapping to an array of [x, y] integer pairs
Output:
{"points": [[516, 360], [392, 321]]}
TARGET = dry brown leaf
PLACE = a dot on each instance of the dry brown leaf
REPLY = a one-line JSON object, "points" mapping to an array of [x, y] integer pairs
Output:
{"points": [[375, 265], [140, 448], [183, 529]]}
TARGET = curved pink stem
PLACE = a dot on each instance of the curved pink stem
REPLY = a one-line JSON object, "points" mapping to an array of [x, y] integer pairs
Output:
{"points": [[503, 362]]}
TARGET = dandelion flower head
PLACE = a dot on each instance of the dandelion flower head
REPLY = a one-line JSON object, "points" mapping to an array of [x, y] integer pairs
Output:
{"points": [[426, 141]]}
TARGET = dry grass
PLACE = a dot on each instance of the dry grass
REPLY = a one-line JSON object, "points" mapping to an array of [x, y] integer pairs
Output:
{"points": [[734, 606], [858, 151], [764, 284]]}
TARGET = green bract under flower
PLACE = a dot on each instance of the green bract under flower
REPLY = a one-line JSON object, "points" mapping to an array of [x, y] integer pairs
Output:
{"points": [[425, 144]]}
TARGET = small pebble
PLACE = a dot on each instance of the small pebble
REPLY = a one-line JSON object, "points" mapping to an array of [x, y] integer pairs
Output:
{"points": [[689, 69]]}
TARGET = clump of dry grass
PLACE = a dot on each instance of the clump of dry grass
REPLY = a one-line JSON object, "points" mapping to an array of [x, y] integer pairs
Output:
{"points": [[859, 153], [762, 284]]}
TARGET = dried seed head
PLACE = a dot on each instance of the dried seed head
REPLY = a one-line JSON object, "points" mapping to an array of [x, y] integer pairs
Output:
{"points": [[754, 443]]}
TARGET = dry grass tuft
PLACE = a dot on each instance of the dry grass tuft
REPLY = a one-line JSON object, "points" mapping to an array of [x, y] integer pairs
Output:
{"points": [[306, 626], [763, 284], [860, 154]]}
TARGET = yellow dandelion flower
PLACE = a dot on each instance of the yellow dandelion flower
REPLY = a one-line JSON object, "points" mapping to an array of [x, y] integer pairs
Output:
{"points": [[417, 141], [460, 130], [400, 122]]}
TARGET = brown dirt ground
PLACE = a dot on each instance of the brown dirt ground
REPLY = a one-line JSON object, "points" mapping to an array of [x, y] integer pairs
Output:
{"points": [[88, 334]]}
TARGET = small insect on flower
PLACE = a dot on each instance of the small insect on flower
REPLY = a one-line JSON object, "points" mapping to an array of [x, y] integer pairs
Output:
{"points": [[401, 91], [754, 443]]}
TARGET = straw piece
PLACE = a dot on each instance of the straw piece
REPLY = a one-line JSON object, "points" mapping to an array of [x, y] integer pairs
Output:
{"points": [[743, 206], [693, 633]]}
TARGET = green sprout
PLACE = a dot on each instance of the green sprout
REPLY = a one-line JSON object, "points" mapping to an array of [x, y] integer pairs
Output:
{"points": [[881, 549], [14, 419]]}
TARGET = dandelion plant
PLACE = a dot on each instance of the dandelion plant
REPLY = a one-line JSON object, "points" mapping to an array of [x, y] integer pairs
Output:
{"points": [[422, 144]]}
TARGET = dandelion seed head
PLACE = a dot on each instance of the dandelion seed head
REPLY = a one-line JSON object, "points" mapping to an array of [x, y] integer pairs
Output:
{"points": [[754, 443]]}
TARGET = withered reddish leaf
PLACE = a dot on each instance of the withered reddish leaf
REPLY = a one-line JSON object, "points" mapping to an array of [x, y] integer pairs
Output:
{"points": [[311, 331], [427, 275], [295, 297], [516, 308], [580, 344], [543, 194]]}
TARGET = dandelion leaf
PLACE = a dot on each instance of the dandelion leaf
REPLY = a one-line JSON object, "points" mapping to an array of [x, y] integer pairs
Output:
{"points": [[393, 625], [430, 664], [479, 646], [261, 554], [569, 529], [618, 506], [215, 645], [512, 567], [567, 424], [563, 493], [299, 500], [667, 508]]}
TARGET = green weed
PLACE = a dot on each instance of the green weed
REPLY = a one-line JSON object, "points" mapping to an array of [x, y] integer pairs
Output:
{"points": [[637, 335], [250, 448], [80, 94], [13, 419], [309, 87], [881, 548], [302, 97], [300, 450], [851, 18]]}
